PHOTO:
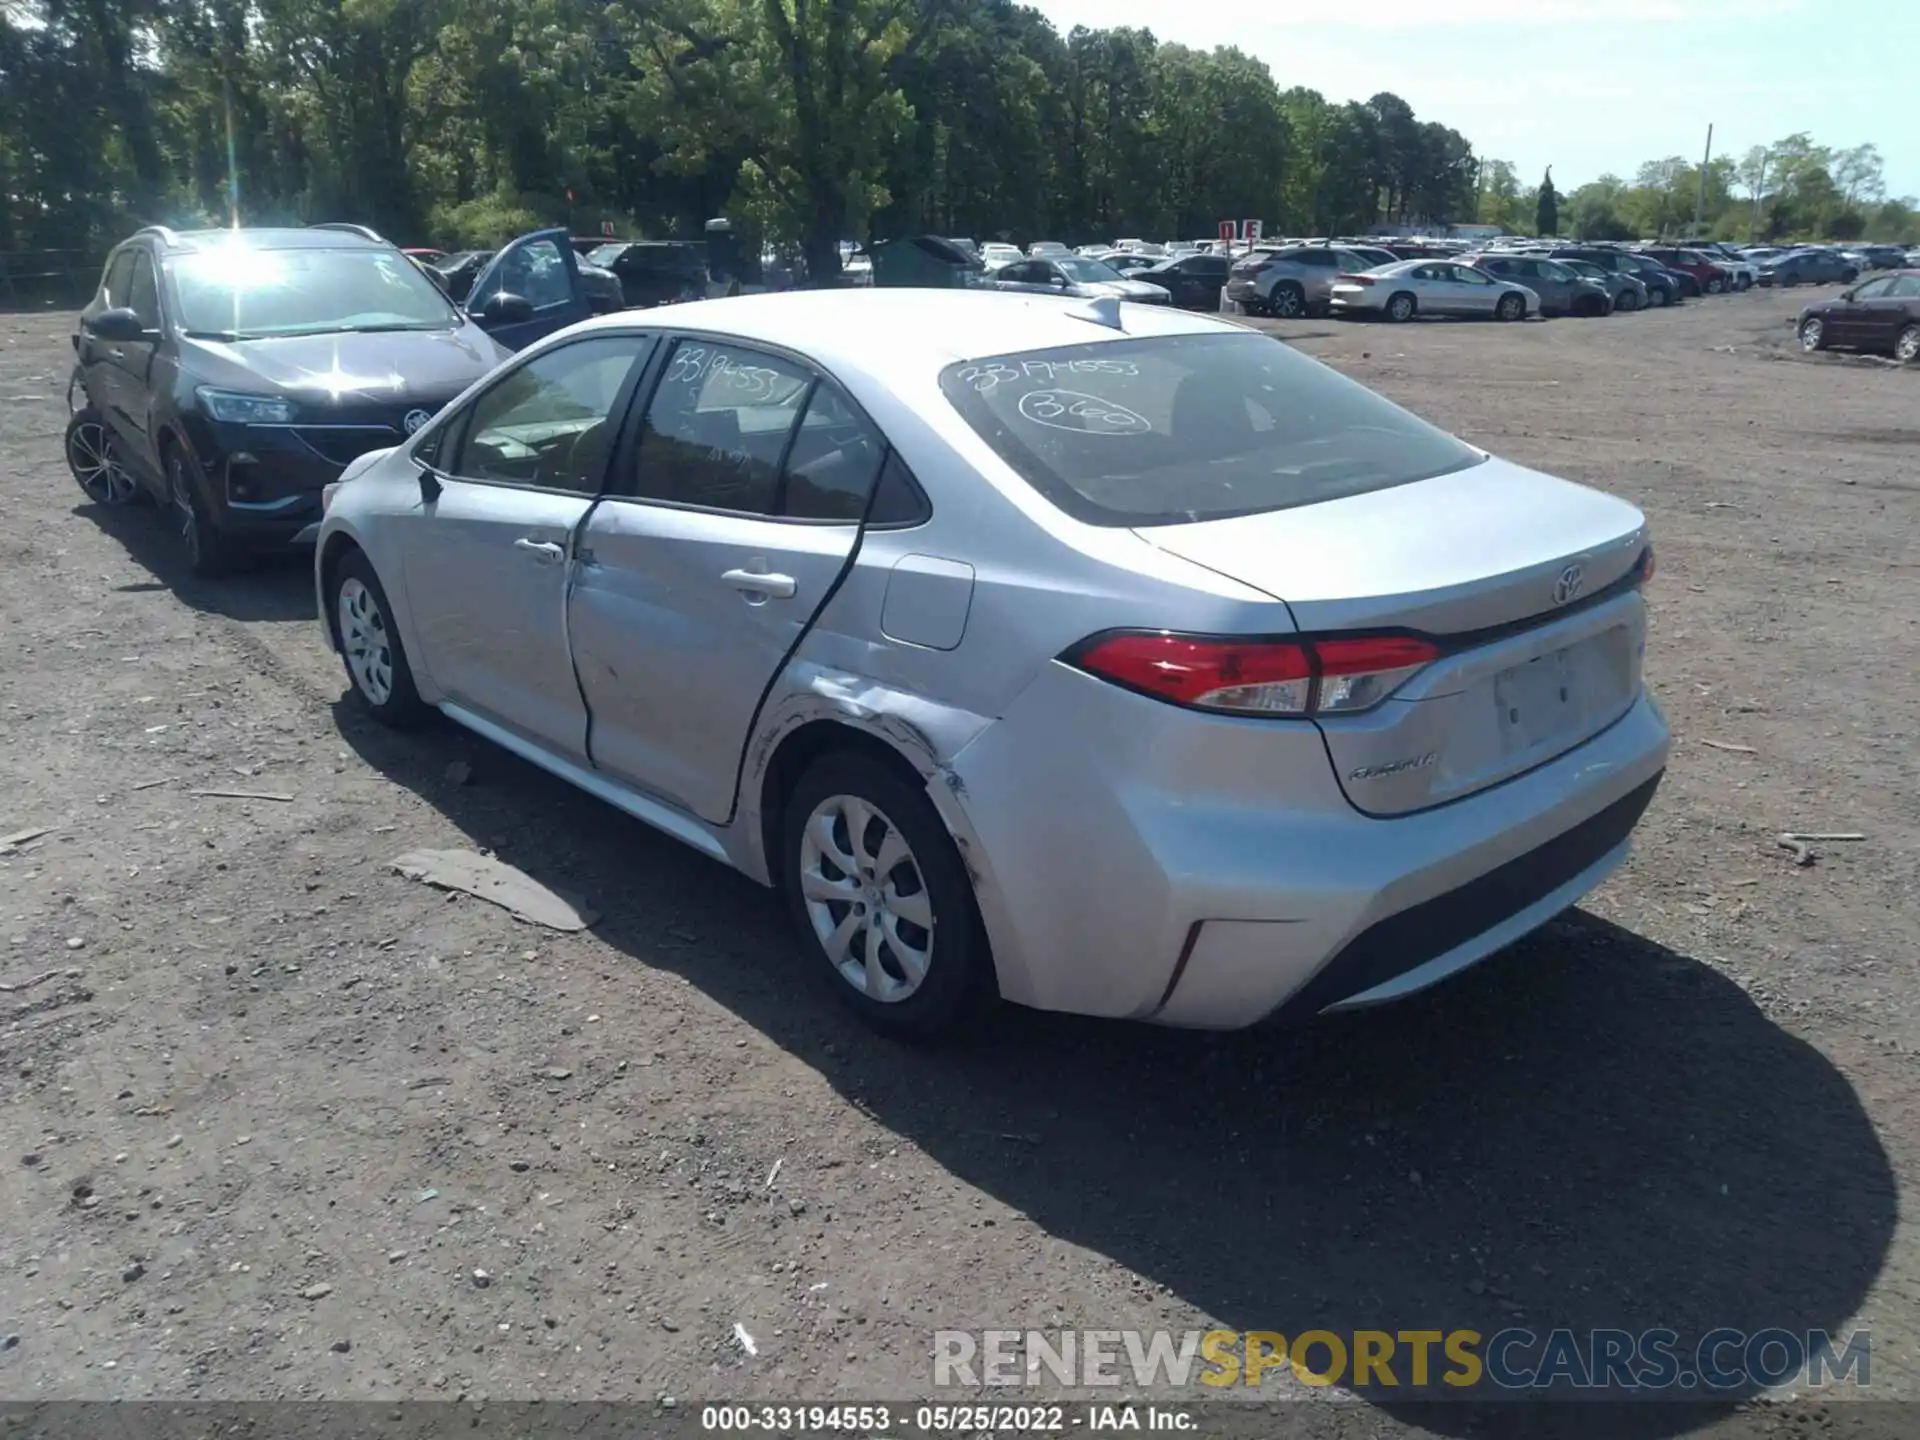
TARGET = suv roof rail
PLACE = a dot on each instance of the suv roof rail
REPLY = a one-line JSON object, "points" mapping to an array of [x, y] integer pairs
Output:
{"points": [[363, 231], [162, 231]]}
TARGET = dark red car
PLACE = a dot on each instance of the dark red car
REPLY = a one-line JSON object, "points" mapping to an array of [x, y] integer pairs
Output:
{"points": [[1713, 279], [1881, 314]]}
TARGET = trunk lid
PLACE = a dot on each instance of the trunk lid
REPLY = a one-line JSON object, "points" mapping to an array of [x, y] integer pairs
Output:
{"points": [[1526, 582]]}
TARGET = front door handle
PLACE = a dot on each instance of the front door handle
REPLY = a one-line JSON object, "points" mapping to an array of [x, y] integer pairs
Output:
{"points": [[780, 587], [543, 551]]}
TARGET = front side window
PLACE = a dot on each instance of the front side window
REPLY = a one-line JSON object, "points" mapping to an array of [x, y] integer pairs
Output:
{"points": [[536, 272], [718, 427], [117, 283], [550, 423], [1191, 427], [143, 297], [242, 293]]}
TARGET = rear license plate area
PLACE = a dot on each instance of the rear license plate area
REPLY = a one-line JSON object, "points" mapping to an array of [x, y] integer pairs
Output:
{"points": [[1539, 701]]}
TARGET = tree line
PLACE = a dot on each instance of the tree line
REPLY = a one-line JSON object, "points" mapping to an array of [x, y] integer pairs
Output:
{"points": [[460, 122]]}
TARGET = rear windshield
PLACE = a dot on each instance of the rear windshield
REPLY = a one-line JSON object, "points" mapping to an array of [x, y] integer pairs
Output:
{"points": [[1192, 427]]}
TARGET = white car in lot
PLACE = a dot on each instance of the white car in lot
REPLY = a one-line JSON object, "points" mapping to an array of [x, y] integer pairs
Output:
{"points": [[1099, 657], [996, 253]]}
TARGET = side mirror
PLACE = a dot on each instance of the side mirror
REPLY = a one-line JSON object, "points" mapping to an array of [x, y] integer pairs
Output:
{"points": [[1846, 294], [119, 323], [430, 486], [504, 308], [1058, 282]]}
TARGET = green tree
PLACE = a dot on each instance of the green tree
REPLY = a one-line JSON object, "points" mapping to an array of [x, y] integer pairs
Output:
{"points": [[1546, 207]]}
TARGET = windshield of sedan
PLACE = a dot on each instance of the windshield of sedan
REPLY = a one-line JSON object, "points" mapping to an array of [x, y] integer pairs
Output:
{"points": [[1087, 272], [1192, 427], [240, 293]]}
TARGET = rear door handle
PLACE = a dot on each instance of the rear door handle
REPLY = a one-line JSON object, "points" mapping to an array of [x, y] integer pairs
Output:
{"points": [[543, 551], [780, 587]]}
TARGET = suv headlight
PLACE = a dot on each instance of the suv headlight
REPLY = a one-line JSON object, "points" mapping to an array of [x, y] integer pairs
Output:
{"points": [[230, 407]]}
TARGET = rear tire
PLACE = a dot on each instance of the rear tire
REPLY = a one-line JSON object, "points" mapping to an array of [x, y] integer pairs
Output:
{"points": [[208, 551], [94, 461], [1288, 301], [1402, 308], [1907, 348], [370, 646], [1510, 308], [902, 945]]}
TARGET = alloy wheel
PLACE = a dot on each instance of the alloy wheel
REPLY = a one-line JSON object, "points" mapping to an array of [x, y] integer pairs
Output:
{"points": [[866, 898], [1907, 348], [1812, 335], [363, 636], [90, 456], [1287, 303]]}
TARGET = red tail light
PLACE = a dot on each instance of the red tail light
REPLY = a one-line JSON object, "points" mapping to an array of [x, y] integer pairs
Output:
{"points": [[1356, 279], [1256, 677]]}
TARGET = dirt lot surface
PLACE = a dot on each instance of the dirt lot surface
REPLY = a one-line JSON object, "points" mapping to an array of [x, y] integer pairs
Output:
{"points": [[274, 1109]]}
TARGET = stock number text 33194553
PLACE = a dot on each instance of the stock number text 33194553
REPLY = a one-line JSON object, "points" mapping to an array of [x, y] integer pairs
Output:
{"points": [[871, 1420]]}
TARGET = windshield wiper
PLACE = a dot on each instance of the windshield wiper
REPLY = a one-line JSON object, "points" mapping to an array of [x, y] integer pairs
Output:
{"points": [[228, 336]]}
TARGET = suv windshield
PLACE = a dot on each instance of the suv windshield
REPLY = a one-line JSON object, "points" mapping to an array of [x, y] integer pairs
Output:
{"points": [[1192, 427], [241, 293]]}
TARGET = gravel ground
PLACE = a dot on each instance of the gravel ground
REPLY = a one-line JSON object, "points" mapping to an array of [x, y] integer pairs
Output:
{"points": [[282, 1124]]}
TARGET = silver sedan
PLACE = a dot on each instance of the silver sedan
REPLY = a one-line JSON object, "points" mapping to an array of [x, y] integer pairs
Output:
{"points": [[1094, 657], [1431, 287]]}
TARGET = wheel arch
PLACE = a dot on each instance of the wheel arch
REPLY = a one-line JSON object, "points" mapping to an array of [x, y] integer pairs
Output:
{"points": [[918, 737]]}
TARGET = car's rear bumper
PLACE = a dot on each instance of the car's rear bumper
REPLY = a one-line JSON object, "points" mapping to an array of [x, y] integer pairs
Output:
{"points": [[1238, 883]]}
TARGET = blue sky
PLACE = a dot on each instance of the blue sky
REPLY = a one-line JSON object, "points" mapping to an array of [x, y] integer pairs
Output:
{"points": [[1584, 87]]}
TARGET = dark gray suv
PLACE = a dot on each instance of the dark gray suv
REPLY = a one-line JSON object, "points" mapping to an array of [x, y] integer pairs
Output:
{"points": [[1561, 291]]}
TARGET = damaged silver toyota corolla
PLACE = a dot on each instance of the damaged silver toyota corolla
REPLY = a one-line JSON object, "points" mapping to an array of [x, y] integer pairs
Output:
{"points": [[1099, 658]]}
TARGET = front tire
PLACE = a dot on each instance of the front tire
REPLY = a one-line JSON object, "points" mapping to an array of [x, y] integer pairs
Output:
{"points": [[208, 551], [1659, 297], [94, 462], [1813, 334], [1907, 348], [1627, 302], [877, 892], [370, 644], [1510, 308]]}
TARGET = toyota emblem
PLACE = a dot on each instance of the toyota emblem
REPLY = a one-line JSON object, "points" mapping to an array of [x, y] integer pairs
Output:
{"points": [[1567, 588], [414, 420]]}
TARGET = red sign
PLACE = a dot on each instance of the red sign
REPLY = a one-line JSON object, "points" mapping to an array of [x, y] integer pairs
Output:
{"points": [[1226, 230], [606, 228]]}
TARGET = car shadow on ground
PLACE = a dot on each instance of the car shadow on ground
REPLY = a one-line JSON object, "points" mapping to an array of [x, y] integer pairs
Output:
{"points": [[272, 585], [1589, 1131]]}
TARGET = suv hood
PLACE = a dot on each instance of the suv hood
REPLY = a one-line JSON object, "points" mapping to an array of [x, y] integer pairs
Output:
{"points": [[384, 366]]}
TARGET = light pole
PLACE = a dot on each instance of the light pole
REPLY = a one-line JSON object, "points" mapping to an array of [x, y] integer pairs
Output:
{"points": [[1759, 188], [1700, 201]]}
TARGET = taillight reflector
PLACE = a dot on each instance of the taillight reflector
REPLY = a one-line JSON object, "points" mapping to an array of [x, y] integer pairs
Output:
{"points": [[1257, 677]]}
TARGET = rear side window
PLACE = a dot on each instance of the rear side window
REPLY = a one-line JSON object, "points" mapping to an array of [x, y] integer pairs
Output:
{"points": [[718, 427], [1191, 427]]}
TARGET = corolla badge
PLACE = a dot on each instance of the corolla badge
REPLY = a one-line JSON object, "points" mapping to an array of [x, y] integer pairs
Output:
{"points": [[1567, 588], [414, 420], [1394, 767]]}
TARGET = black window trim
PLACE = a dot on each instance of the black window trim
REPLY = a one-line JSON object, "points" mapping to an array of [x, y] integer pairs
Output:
{"points": [[159, 301], [627, 443], [456, 418]]}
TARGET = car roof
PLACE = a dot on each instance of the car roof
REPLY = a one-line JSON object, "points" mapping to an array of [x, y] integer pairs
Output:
{"points": [[266, 238], [862, 329]]}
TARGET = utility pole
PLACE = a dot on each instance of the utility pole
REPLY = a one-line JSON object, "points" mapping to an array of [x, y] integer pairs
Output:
{"points": [[1700, 202], [1759, 188]]}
